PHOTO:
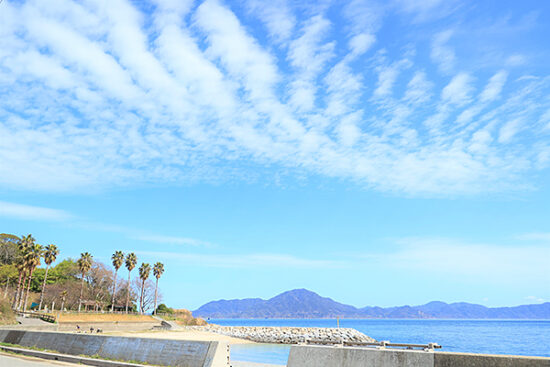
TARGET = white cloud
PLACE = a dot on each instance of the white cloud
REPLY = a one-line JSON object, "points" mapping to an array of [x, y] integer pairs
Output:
{"points": [[418, 88], [535, 299], [360, 43], [494, 87], [102, 94], [442, 54], [29, 212], [277, 17], [386, 80], [509, 130], [459, 89]]}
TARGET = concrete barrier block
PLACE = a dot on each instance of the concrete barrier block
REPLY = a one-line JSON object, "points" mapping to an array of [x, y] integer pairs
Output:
{"points": [[88, 345], [57, 341], [30, 339], [446, 359], [323, 356], [14, 336]]}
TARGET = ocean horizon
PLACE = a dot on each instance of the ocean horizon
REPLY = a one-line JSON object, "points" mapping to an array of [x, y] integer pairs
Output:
{"points": [[512, 337]]}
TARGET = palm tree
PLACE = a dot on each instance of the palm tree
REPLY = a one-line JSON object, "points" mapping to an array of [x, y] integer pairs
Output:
{"points": [[131, 261], [84, 264], [32, 259], [20, 265], [23, 245], [158, 269], [118, 260], [144, 271], [49, 257]]}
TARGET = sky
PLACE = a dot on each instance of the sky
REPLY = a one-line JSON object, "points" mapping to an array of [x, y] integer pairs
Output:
{"points": [[375, 152]]}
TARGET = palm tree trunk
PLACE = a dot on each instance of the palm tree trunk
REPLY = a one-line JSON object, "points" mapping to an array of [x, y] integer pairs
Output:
{"points": [[114, 292], [156, 288], [43, 287], [22, 291], [28, 289], [15, 296], [128, 292], [81, 293], [141, 298]]}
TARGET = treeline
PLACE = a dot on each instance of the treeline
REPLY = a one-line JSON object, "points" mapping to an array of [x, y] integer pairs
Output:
{"points": [[77, 285]]}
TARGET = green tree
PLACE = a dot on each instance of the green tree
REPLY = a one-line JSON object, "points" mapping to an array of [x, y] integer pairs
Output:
{"points": [[8, 248], [84, 265], [158, 270], [144, 271], [118, 260], [131, 261], [32, 256], [162, 308], [66, 270], [50, 254]]}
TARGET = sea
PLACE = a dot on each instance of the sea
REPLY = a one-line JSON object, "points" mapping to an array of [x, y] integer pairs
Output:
{"points": [[516, 337]]}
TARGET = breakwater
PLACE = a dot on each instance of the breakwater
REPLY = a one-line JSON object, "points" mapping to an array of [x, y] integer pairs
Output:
{"points": [[288, 335]]}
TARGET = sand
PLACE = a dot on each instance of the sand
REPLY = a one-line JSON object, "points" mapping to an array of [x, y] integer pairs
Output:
{"points": [[182, 335]]}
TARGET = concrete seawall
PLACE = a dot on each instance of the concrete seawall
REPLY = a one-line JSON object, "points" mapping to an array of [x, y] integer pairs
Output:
{"points": [[321, 356], [161, 352]]}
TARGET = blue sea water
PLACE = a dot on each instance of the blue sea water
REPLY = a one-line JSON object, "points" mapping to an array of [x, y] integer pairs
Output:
{"points": [[517, 337]]}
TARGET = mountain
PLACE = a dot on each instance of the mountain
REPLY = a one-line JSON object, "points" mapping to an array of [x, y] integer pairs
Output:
{"points": [[302, 303], [298, 303]]}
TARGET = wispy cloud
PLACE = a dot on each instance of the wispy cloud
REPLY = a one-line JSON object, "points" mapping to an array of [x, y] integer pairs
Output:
{"points": [[203, 92], [30, 212], [171, 240], [255, 260], [453, 257], [535, 236], [443, 54]]}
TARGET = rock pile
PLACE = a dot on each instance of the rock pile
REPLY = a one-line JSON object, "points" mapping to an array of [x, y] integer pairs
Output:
{"points": [[289, 335]]}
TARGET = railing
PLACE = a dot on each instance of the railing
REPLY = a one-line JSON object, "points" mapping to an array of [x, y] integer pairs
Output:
{"points": [[380, 345], [100, 312], [37, 315]]}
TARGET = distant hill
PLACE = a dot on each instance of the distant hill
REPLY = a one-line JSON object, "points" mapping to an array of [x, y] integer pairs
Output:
{"points": [[301, 303]]}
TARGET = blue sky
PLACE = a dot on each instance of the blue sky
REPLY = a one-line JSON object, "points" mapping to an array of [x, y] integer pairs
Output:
{"points": [[380, 153]]}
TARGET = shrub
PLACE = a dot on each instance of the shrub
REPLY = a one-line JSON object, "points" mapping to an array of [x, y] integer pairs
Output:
{"points": [[7, 317]]}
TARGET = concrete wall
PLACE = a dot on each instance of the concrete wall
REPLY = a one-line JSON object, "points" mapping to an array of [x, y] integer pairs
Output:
{"points": [[322, 356], [445, 359], [162, 352], [108, 326]]}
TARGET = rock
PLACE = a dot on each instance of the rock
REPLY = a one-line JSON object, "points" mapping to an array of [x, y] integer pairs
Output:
{"points": [[287, 335]]}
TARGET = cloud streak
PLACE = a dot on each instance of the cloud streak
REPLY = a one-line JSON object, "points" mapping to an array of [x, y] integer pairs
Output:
{"points": [[454, 258], [248, 261], [184, 93], [30, 212]]}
